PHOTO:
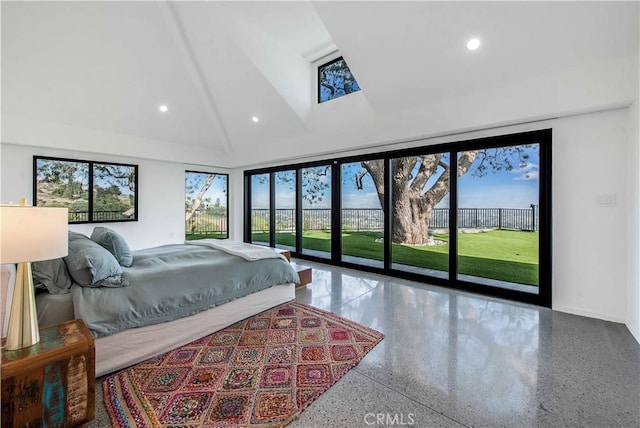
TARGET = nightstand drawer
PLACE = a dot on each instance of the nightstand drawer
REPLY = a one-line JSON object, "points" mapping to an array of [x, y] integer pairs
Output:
{"points": [[53, 382]]}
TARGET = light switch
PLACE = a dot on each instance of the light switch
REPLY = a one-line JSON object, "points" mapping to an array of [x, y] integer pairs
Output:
{"points": [[607, 200]]}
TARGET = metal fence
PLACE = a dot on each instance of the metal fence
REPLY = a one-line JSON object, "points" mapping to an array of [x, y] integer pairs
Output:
{"points": [[202, 222], [78, 216], [372, 219]]}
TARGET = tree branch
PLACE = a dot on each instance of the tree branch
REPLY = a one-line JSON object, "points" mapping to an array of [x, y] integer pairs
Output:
{"points": [[198, 199], [428, 167]]}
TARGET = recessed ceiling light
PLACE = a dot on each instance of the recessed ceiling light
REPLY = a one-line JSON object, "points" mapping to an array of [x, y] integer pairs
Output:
{"points": [[256, 119], [473, 44], [163, 108]]}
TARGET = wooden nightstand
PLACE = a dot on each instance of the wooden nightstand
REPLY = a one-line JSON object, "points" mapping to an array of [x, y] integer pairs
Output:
{"points": [[51, 383]]}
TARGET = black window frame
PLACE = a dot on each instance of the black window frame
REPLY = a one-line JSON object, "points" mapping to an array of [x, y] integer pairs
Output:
{"points": [[90, 203], [319, 71], [226, 192], [542, 137]]}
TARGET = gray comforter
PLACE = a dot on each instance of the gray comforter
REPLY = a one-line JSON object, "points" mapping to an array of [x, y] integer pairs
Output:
{"points": [[174, 281]]}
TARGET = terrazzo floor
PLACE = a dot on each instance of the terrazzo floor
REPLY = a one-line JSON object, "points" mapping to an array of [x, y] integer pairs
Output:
{"points": [[452, 359]]}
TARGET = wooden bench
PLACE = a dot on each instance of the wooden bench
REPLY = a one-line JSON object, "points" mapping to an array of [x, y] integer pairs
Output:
{"points": [[304, 272]]}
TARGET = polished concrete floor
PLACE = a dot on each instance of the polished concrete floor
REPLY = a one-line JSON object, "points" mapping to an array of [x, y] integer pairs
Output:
{"points": [[452, 359]]}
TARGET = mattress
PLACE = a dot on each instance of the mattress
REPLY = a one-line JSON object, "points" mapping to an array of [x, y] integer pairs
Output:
{"points": [[53, 308], [174, 281], [132, 346]]}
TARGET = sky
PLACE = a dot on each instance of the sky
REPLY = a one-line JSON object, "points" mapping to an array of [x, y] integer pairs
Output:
{"points": [[216, 190], [517, 188]]}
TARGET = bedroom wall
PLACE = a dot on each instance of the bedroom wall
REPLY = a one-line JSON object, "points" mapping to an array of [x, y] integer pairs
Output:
{"points": [[590, 264], [594, 154], [590, 158], [160, 197], [633, 299]]}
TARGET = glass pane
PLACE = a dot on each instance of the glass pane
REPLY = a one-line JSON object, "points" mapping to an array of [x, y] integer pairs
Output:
{"points": [[316, 211], [286, 210], [362, 215], [335, 80], [260, 220], [114, 192], [498, 217], [420, 214], [206, 207], [61, 183]]}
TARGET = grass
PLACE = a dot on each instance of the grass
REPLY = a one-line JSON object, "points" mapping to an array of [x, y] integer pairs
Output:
{"points": [[504, 255], [193, 236]]}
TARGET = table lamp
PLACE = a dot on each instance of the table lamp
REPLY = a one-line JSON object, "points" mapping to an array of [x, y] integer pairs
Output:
{"points": [[29, 234]]}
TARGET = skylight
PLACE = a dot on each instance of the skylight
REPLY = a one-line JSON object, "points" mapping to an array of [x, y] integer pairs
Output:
{"points": [[335, 80]]}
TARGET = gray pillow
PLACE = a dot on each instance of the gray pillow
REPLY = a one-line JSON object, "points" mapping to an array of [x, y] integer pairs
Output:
{"points": [[90, 265], [52, 275], [75, 235], [114, 243]]}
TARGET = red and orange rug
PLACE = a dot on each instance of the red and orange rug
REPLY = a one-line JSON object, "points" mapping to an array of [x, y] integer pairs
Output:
{"points": [[260, 372]]}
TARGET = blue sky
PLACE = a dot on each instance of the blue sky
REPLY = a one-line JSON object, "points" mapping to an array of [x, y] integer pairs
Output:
{"points": [[517, 188], [216, 190]]}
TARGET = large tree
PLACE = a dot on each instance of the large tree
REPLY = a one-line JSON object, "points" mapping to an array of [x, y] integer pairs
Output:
{"points": [[413, 202], [419, 183]]}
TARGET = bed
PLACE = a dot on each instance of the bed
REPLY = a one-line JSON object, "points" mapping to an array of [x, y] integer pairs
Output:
{"points": [[158, 298]]}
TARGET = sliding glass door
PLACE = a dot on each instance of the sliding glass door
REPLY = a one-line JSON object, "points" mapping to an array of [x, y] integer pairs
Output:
{"points": [[362, 216], [497, 219], [260, 209], [285, 209], [473, 215], [316, 211], [420, 214]]}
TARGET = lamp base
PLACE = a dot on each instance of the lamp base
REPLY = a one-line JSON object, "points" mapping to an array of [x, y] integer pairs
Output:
{"points": [[23, 320]]}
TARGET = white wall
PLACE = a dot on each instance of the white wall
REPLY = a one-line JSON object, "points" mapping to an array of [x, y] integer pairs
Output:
{"points": [[633, 282], [160, 192], [590, 261], [236, 221], [590, 157]]}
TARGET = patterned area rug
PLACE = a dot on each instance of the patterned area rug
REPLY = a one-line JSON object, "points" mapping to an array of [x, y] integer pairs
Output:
{"points": [[260, 372]]}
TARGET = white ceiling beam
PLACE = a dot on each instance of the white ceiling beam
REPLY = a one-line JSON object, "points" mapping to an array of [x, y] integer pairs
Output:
{"points": [[195, 71]]}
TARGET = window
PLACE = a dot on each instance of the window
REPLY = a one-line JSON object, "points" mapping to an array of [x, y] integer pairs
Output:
{"points": [[420, 214], [362, 215], [316, 210], [206, 205], [473, 215], [285, 218], [66, 183], [260, 209], [335, 80], [497, 224]]}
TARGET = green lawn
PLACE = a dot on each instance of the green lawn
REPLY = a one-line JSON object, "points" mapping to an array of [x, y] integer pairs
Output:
{"points": [[505, 255], [193, 236]]}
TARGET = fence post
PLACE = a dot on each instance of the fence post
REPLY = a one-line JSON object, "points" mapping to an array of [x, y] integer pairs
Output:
{"points": [[533, 217]]}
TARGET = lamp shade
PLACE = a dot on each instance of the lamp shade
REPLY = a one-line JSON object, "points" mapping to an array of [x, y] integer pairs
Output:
{"points": [[31, 234]]}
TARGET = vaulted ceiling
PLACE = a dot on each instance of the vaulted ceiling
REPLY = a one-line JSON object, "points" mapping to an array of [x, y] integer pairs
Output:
{"points": [[91, 75]]}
